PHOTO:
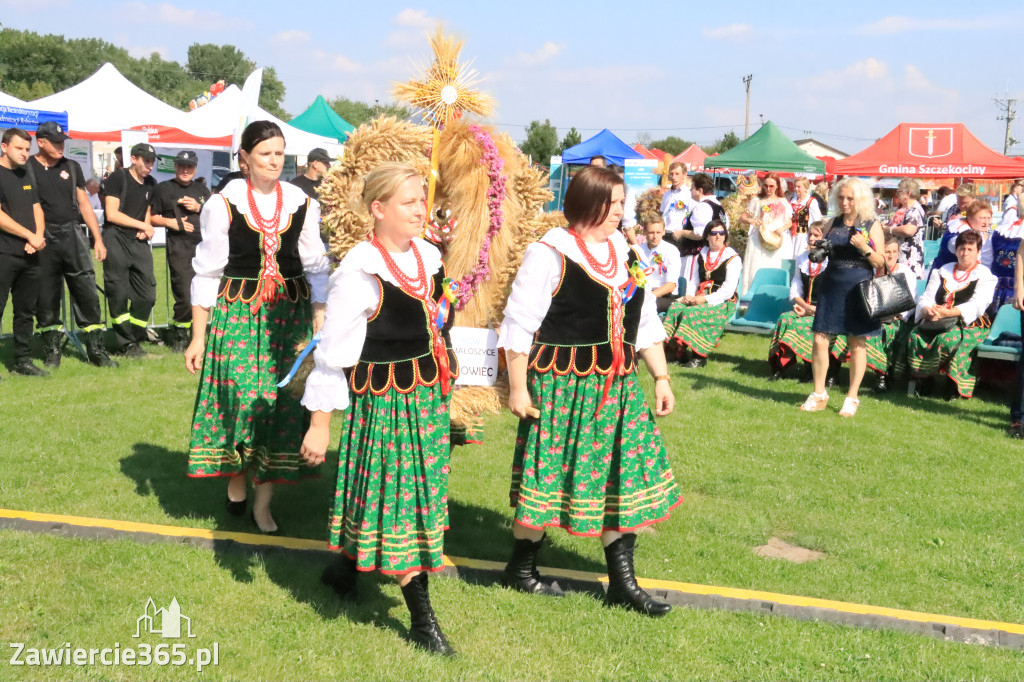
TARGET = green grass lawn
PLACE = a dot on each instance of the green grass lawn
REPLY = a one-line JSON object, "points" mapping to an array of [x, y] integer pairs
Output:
{"points": [[915, 502]]}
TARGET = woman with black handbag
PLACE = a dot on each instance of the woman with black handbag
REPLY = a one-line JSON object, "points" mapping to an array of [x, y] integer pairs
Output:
{"points": [[951, 320], [854, 242]]}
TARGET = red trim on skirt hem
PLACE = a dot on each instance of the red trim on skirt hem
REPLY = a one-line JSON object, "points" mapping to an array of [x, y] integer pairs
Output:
{"points": [[256, 481], [603, 530], [363, 569]]}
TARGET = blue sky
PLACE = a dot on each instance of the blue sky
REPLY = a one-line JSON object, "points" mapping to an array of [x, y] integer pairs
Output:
{"points": [[845, 72]]}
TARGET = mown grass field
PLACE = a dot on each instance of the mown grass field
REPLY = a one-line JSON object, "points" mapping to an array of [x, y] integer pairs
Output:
{"points": [[916, 504]]}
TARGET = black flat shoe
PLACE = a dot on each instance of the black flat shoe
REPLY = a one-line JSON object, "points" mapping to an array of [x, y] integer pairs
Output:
{"points": [[26, 369], [237, 508], [775, 376], [252, 517], [1016, 431]]}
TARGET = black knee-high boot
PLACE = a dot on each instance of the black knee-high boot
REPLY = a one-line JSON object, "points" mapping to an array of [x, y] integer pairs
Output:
{"points": [[622, 587], [424, 630], [341, 576], [521, 571]]}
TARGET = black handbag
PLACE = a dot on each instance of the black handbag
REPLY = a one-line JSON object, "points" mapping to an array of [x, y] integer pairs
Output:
{"points": [[886, 295]]}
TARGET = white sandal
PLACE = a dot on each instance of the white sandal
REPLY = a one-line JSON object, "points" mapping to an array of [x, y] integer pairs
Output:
{"points": [[850, 406], [815, 402]]}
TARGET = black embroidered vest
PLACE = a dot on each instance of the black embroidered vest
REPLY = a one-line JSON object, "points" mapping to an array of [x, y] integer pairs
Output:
{"points": [[716, 276], [960, 297], [246, 256], [397, 352], [575, 333], [810, 292]]}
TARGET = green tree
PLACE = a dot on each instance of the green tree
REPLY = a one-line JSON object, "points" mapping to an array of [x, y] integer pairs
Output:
{"points": [[541, 142], [724, 143], [209, 63], [571, 139], [671, 144], [357, 113]]}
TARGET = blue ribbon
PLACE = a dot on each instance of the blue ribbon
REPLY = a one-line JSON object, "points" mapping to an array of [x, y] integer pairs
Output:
{"points": [[298, 361]]}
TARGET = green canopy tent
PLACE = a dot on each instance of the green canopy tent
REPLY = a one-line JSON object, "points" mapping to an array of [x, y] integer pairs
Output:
{"points": [[320, 119], [767, 149]]}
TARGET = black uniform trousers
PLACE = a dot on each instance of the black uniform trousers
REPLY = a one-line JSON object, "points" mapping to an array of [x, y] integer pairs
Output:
{"points": [[181, 250], [67, 258], [19, 278], [128, 280]]}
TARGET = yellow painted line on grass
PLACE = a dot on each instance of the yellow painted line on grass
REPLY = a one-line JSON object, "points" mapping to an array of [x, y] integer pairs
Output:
{"points": [[482, 564]]}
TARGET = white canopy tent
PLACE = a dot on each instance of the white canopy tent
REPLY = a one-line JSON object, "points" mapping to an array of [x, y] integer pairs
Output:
{"points": [[222, 113], [11, 101]]}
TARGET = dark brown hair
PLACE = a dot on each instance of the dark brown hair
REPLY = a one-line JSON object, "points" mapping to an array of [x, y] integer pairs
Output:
{"points": [[976, 208], [704, 183], [589, 196], [12, 133], [712, 224], [969, 237]]}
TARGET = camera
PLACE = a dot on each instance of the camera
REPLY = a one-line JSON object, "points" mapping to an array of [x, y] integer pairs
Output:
{"points": [[819, 251]]}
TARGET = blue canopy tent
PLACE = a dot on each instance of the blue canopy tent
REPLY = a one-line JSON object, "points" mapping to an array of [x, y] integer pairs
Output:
{"points": [[603, 144], [29, 119]]}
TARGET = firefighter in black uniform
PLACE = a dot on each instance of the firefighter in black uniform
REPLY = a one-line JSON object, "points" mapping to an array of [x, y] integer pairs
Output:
{"points": [[128, 270], [22, 237], [176, 207], [65, 205]]}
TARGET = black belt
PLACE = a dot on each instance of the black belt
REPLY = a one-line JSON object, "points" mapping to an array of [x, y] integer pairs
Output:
{"points": [[848, 264]]}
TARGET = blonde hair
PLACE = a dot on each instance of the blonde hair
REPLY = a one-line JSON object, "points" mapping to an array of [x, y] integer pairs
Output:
{"points": [[803, 182], [384, 180], [911, 186], [966, 190], [863, 199]]}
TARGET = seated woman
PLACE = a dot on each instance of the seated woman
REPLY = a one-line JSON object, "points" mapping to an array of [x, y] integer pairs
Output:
{"points": [[792, 340], [1005, 241], [695, 322], [950, 317], [885, 350]]}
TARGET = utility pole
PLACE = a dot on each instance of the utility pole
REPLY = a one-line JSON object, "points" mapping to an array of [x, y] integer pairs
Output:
{"points": [[1007, 106], [746, 120]]}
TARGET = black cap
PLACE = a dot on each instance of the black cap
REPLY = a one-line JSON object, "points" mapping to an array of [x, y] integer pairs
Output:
{"points": [[52, 131], [186, 158], [144, 151], [319, 154]]}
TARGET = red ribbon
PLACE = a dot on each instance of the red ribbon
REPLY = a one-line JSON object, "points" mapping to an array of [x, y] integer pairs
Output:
{"points": [[440, 351], [618, 366]]}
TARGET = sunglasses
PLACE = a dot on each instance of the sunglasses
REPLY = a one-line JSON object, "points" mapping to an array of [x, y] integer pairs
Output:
{"points": [[716, 233]]}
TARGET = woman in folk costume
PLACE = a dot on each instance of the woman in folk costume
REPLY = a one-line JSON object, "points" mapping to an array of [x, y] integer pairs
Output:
{"points": [[1005, 241], [770, 218], [695, 323], [806, 211], [262, 270], [793, 340], [590, 458], [884, 351], [950, 319], [388, 316]]}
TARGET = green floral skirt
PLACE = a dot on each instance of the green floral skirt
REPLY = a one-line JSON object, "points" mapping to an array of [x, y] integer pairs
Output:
{"points": [[947, 353], [242, 421], [882, 350], [698, 327], [792, 340], [587, 473], [391, 505]]}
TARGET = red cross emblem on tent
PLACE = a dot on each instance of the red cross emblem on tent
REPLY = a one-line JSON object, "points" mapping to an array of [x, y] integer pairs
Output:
{"points": [[930, 143]]}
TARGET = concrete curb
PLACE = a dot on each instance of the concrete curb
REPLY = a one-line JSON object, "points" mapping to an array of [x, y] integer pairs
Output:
{"points": [[947, 628]]}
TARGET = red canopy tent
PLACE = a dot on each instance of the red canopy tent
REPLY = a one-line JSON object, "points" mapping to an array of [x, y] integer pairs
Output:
{"points": [[693, 156], [647, 153], [927, 150]]}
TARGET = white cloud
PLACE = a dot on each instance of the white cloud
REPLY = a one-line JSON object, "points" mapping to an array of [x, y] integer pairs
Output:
{"points": [[143, 52], [415, 18], [897, 24], [292, 37], [544, 53], [730, 32], [195, 19]]}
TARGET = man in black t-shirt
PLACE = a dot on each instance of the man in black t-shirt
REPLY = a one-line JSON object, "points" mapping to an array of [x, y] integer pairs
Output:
{"points": [[318, 162], [128, 272], [65, 205], [21, 240], [176, 206]]}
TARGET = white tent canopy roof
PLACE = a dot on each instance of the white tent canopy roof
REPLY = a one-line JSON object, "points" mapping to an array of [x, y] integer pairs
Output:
{"points": [[11, 101], [221, 115], [107, 101]]}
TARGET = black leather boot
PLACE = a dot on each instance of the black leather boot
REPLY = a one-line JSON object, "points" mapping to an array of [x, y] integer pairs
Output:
{"points": [[622, 587], [341, 576], [51, 347], [96, 352], [424, 630], [521, 571]]}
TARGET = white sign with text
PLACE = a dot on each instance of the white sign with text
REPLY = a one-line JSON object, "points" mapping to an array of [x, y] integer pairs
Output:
{"points": [[477, 350]]}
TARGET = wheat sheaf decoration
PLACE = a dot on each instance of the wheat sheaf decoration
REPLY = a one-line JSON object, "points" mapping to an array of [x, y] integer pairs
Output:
{"points": [[444, 89]]}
